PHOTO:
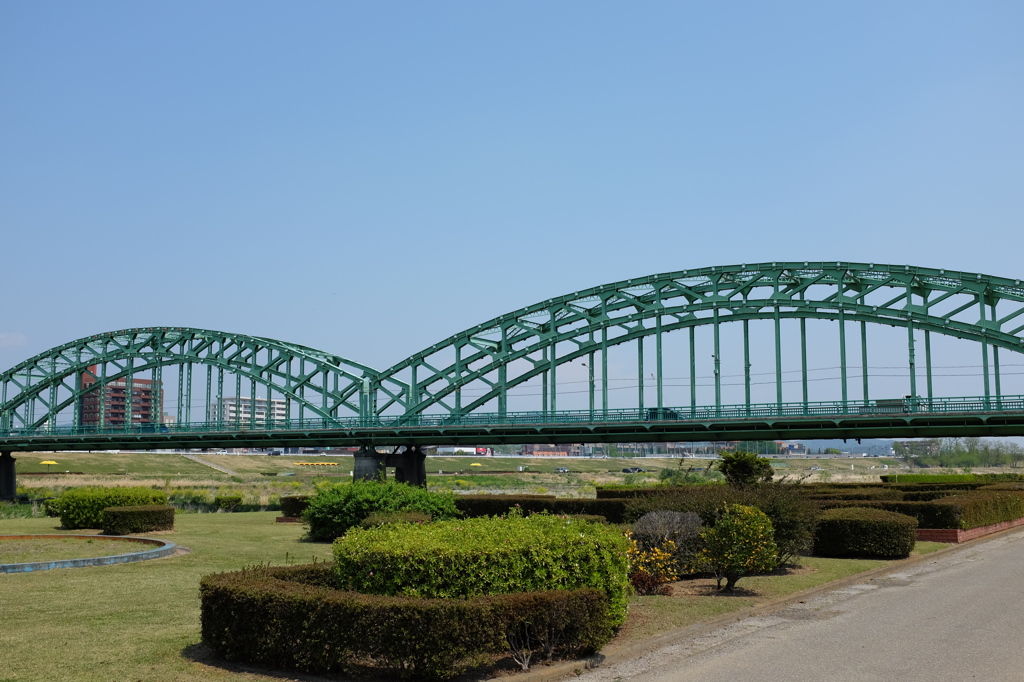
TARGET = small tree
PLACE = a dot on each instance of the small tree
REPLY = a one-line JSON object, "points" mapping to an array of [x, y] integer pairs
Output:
{"points": [[740, 543], [743, 468]]}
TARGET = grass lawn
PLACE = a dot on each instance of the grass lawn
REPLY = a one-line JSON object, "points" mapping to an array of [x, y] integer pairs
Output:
{"points": [[141, 621], [133, 621], [134, 464], [15, 551]]}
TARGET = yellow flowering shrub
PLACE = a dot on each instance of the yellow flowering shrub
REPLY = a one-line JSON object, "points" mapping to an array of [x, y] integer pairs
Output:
{"points": [[650, 568]]}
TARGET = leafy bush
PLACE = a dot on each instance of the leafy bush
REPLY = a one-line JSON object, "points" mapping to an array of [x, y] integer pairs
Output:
{"points": [[227, 502], [381, 518], [140, 519], [83, 507], [865, 532], [682, 529], [335, 508], [472, 506], [491, 555], [52, 507], [294, 505], [740, 543], [290, 617], [745, 468], [793, 516], [650, 567]]}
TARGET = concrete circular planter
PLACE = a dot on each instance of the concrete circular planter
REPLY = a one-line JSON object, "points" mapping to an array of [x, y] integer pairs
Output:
{"points": [[155, 549]]}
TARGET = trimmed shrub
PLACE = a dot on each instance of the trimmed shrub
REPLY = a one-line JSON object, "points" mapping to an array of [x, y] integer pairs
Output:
{"points": [[382, 518], [491, 555], [83, 507], [682, 529], [294, 505], [865, 532], [589, 518], [335, 508], [227, 502], [51, 507], [964, 512], [952, 478], [289, 617], [740, 543], [141, 519], [626, 492], [472, 506]]}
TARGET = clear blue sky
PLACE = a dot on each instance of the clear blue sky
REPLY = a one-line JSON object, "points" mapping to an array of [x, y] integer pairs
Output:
{"points": [[369, 178]]}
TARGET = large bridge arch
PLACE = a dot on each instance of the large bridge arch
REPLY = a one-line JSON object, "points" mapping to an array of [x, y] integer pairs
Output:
{"points": [[541, 338]]}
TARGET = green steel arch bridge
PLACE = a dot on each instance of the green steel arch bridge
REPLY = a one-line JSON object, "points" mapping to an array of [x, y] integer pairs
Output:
{"points": [[625, 342]]}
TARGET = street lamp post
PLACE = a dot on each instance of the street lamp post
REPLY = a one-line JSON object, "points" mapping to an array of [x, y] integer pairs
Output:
{"points": [[591, 371]]}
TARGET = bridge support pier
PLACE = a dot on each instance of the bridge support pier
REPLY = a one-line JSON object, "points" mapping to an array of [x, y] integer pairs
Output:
{"points": [[8, 478], [370, 465], [410, 466]]}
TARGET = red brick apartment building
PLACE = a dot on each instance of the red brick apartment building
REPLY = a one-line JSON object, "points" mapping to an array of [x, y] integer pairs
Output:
{"points": [[146, 404]]}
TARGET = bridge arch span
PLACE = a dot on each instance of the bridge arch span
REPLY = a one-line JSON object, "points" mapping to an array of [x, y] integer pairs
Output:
{"points": [[46, 387], [539, 339]]}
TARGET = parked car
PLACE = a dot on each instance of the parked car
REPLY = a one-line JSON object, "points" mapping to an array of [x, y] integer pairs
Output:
{"points": [[561, 470], [633, 470]]}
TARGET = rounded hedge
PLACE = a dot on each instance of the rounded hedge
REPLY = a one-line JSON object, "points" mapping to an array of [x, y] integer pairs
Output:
{"points": [[492, 555], [83, 507], [140, 519], [336, 508], [865, 532], [293, 618], [294, 505]]}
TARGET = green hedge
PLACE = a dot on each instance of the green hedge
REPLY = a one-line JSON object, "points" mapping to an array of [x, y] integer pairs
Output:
{"points": [[613, 510], [294, 505], [952, 478], [290, 618], [963, 511], [382, 518], [83, 507], [227, 502], [141, 519], [335, 508], [490, 555], [865, 532]]}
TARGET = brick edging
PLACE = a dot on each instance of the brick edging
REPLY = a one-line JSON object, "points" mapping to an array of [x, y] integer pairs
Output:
{"points": [[958, 535]]}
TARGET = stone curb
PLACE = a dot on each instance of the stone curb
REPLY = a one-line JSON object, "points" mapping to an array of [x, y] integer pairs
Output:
{"points": [[616, 654], [160, 548]]}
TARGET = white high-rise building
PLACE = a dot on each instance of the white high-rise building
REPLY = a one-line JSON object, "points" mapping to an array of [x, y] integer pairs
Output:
{"points": [[231, 411]]}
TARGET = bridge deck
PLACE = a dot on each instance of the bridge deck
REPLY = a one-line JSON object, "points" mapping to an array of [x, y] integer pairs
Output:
{"points": [[1002, 416]]}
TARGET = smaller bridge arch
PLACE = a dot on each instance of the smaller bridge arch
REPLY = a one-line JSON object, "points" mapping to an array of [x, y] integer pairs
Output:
{"points": [[49, 388]]}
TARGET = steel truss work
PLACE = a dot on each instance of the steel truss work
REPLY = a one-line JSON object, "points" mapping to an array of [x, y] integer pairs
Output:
{"points": [[467, 379], [536, 341]]}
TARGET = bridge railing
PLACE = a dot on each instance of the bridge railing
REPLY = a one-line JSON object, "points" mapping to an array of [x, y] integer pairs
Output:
{"points": [[898, 407]]}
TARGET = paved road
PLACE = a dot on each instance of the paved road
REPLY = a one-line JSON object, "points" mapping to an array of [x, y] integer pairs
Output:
{"points": [[957, 617]]}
